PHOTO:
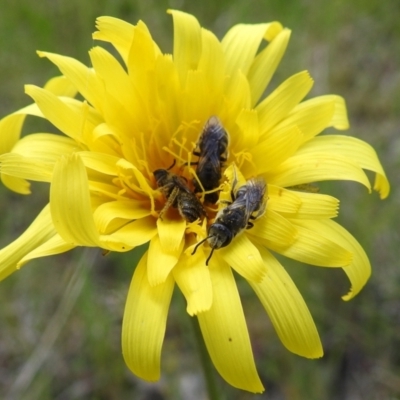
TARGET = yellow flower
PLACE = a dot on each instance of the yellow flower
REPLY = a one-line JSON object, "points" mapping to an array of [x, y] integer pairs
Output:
{"points": [[146, 112]]}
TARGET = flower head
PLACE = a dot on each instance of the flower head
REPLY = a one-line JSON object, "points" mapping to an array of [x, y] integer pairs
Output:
{"points": [[136, 164]]}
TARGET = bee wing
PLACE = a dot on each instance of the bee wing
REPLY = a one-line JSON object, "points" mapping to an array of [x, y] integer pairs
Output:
{"points": [[181, 183], [209, 162], [256, 189]]}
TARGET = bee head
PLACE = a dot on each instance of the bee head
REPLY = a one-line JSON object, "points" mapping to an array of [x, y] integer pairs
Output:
{"points": [[160, 175], [219, 236]]}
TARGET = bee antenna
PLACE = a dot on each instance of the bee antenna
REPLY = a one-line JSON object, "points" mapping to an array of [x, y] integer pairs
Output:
{"points": [[173, 165], [198, 244], [209, 257]]}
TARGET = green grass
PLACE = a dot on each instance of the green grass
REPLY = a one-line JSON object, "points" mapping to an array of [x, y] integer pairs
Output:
{"points": [[61, 316]]}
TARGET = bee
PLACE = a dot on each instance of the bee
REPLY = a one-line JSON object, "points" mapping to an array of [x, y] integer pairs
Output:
{"points": [[212, 150], [248, 205], [178, 195]]}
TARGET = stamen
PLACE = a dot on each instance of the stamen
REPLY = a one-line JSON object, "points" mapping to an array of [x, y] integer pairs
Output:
{"points": [[191, 125], [134, 149], [132, 190], [242, 157], [181, 146], [125, 188], [193, 173], [176, 156]]}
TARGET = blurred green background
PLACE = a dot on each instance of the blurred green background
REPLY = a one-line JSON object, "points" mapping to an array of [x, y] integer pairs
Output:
{"points": [[60, 317]]}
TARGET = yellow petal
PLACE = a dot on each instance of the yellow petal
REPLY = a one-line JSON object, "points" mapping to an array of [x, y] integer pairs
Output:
{"points": [[287, 310], [314, 247], [169, 95], [10, 131], [131, 235], [144, 323], [244, 258], [17, 185], [143, 44], [248, 124], [195, 97], [355, 150], [160, 262], [91, 116], [116, 31], [225, 333], [266, 63], [45, 147], [237, 97], [55, 245], [115, 79], [283, 99], [187, 43], [307, 167], [61, 86], [241, 42], [171, 234], [126, 210], [274, 229], [314, 115], [282, 200], [33, 157], [359, 270], [193, 278], [70, 203], [11, 125], [39, 232], [212, 64], [276, 148], [103, 163], [57, 112], [25, 168], [315, 206], [339, 118], [82, 77]]}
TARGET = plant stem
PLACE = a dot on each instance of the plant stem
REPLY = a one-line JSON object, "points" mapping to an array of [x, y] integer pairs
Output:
{"points": [[206, 362]]}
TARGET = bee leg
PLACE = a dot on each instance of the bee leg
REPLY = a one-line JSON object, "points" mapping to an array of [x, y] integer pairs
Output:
{"points": [[170, 200], [234, 183], [249, 223], [191, 163]]}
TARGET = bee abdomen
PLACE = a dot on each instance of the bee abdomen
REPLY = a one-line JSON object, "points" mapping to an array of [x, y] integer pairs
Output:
{"points": [[190, 209]]}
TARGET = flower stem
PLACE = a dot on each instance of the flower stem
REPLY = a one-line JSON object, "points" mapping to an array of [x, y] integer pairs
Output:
{"points": [[206, 363]]}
